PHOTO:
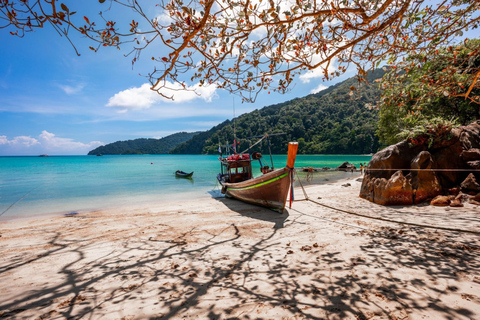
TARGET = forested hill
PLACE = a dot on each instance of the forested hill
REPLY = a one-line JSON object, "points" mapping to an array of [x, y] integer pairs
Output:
{"points": [[333, 121], [144, 146]]}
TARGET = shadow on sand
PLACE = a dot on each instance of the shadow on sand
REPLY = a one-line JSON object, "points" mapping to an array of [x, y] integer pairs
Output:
{"points": [[238, 270], [255, 212]]}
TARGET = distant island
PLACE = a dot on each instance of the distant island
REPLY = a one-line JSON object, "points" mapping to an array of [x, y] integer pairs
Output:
{"points": [[337, 120], [144, 145]]}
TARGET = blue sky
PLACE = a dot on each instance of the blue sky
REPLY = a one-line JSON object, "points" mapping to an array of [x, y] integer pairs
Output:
{"points": [[55, 102]]}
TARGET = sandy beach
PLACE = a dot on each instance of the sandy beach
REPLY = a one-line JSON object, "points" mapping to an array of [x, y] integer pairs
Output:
{"points": [[218, 258]]}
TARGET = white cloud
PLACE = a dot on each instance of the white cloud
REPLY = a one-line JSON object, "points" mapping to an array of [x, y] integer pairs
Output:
{"points": [[25, 141], [319, 71], [133, 98], [71, 89], [320, 87], [46, 143], [52, 142], [3, 140], [143, 97]]}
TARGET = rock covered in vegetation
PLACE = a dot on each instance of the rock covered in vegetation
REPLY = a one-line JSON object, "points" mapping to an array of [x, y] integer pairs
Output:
{"points": [[405, 174]]}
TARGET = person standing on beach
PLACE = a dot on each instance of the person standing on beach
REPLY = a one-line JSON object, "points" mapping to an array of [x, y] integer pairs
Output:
{"points": [[361, 168]]}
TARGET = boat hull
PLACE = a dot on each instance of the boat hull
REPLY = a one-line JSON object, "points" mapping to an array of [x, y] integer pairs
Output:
{"points": [[181, 174], [269, 190]]}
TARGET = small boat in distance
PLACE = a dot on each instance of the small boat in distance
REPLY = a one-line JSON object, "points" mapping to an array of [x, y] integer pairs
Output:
{"points": [[269, 190], [44, 155], [181, 174]]}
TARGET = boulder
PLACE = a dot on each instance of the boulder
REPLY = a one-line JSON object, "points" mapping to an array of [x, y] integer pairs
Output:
{"points": [[440, 201], [470, 184], [410, 174], [399, 190], [474, 202], [424, 180], [454, 191], [476, 197], [472, 154], [456, 203], [346, 166], [395, 191], [474, 164]]}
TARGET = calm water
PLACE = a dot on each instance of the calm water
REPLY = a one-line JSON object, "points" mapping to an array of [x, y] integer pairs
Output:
{"points": [[31, 186]]}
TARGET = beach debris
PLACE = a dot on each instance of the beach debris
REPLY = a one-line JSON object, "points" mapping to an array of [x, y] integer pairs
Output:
{"points": [[48, 315], [315, 245], [306, 248], [130, 287], [346, 185], [72, 301], [470, 297], [289, 251]]}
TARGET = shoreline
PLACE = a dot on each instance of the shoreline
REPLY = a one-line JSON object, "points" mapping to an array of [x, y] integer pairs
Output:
{"points": [[224, 259], [78, 206]]}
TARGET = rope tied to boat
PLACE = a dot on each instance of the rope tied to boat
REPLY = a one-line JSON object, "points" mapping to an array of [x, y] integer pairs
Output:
{"points": [[24, 196]]}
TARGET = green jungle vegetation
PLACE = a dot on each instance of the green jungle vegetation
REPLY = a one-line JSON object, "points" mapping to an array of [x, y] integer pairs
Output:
{"points": [[423, 97], [143, 145], [337, 120]]}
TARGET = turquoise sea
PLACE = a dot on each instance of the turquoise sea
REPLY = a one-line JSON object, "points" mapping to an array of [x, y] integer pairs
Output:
{"points": [[33, 186]]}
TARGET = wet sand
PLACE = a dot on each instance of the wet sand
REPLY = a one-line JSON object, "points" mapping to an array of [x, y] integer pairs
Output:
{"points": [[218, 258]]}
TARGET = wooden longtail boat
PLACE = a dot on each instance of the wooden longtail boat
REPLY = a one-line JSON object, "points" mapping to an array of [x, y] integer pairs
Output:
{"points": [[182, 174], [269, 190]]}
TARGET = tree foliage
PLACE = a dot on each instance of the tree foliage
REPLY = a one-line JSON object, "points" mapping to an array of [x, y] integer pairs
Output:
{"points": [[426, 95], [333, 121], [246, 46]]}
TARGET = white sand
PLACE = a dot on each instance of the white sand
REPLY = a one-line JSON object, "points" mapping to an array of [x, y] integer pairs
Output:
{"points": [[223, 259]]}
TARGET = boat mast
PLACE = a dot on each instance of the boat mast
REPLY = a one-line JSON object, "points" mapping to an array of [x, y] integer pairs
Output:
{"points": [[270, 150], [234, 132]]}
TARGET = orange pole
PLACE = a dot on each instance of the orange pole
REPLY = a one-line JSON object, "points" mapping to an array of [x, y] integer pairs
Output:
{"points": [[292, 154]]}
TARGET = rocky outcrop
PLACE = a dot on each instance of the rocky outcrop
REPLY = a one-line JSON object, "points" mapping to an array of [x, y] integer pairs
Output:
{"points": [[405, 174], [346, 166]]}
